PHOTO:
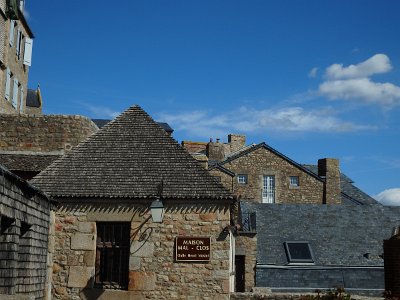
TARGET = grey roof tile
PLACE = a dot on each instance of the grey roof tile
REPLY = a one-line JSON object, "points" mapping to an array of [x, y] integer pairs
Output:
{"points": [[337, 236], [27, 162], [129, 157]]}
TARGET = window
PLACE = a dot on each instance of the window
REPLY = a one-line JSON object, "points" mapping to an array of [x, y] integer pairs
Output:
{"points": [[18, 47], [294, 181], [268, 191], [112, 255], [242, 178], [299, 252]]}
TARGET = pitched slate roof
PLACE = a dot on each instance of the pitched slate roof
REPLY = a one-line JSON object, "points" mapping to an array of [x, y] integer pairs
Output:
{"points": [[350, 193], [33, 98], [337, 236], [128, 158], [27, 162], [102, 122]]}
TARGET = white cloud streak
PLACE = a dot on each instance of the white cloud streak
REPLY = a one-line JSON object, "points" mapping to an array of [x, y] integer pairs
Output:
{"points": [[389, 197], [250, 120], [313, 73], [101, 112], [377, 64], [354, 83]]}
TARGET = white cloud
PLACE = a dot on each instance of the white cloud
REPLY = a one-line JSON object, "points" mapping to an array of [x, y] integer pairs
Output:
{"points": [[377, 64], [354, 83], [386, 94], [250, 120], [313, 72], [101, 111], [389, 197]]}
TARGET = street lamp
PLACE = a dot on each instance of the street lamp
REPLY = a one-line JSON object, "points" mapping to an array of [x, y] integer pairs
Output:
{"points": [[157, 211]]}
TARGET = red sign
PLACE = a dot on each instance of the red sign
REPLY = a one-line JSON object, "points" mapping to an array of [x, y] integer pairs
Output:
{"points": [[192, 248]]}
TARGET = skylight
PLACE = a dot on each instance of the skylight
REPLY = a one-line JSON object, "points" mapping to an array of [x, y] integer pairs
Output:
{"points": [[299, 252]]}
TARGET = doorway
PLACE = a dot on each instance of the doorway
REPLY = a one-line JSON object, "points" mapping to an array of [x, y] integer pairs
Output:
{"points": [[240, 273]]}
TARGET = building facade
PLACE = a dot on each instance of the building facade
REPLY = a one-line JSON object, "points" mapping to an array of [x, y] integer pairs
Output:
{"points": [[108, 245], [16, 41], [26, 218]]}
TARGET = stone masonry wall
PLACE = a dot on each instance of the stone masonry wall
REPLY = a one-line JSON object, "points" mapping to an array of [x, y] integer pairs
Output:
{"points": [[43, 133], [246, 244], [25, 221], [153, 273], [263, 162]]}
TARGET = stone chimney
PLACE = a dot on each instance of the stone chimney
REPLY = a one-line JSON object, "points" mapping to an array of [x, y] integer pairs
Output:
{"points": [[328, 168], [215, 150], [236, 141]]}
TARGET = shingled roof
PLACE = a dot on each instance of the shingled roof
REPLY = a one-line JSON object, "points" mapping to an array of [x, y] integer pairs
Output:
{"points": [[128, 158]]}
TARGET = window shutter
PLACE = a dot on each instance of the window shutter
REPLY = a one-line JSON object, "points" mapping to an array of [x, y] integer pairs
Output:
{"points": [[28, 52], [8, 83], [18, 47], [12, 24], [15, 94], [21, 100]]}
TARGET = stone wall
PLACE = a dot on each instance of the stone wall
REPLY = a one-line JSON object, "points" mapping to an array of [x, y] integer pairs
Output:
{"points": [[226, 179], [246, 244], [43, 133], [153, 272], [25, 222], [263, 162]]}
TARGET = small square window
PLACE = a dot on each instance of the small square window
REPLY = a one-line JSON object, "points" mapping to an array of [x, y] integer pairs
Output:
{"points": [[242, 178], [299, 252], [294, 180]]}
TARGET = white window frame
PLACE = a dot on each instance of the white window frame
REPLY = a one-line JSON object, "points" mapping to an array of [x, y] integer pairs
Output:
{"points": [[294, 181], [268, 189], [242, 178]]}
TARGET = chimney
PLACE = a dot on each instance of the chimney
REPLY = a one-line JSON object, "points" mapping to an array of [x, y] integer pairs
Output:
{"points": [[236, 141], [329, 169], [215, 150]]}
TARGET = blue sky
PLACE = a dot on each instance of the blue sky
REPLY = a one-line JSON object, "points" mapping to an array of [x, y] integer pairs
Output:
{"points": [[313, 79]]}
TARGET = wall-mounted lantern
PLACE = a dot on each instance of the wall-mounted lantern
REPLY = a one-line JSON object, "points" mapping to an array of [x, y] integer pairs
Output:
{"points": [[157, 211]]}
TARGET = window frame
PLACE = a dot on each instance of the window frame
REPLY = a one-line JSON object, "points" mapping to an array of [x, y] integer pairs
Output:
{"points": [[297, 184], [293, 260], [112, 255], [245, 178]]}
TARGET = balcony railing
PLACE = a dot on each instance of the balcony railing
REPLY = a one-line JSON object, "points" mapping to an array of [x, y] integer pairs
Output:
{"points": [[248, 222]]}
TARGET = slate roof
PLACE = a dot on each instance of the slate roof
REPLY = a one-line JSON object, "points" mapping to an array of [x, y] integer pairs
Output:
{"points": [[27, 162], [128, 158], [32, 98], [102, 122], [350, 193], [337, 236], [21, 182]]}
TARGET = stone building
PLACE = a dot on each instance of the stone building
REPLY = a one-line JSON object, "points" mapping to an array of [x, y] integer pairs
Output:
{"points": [[107, 244], [26, 216], [16, 39], [29, 143]]}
